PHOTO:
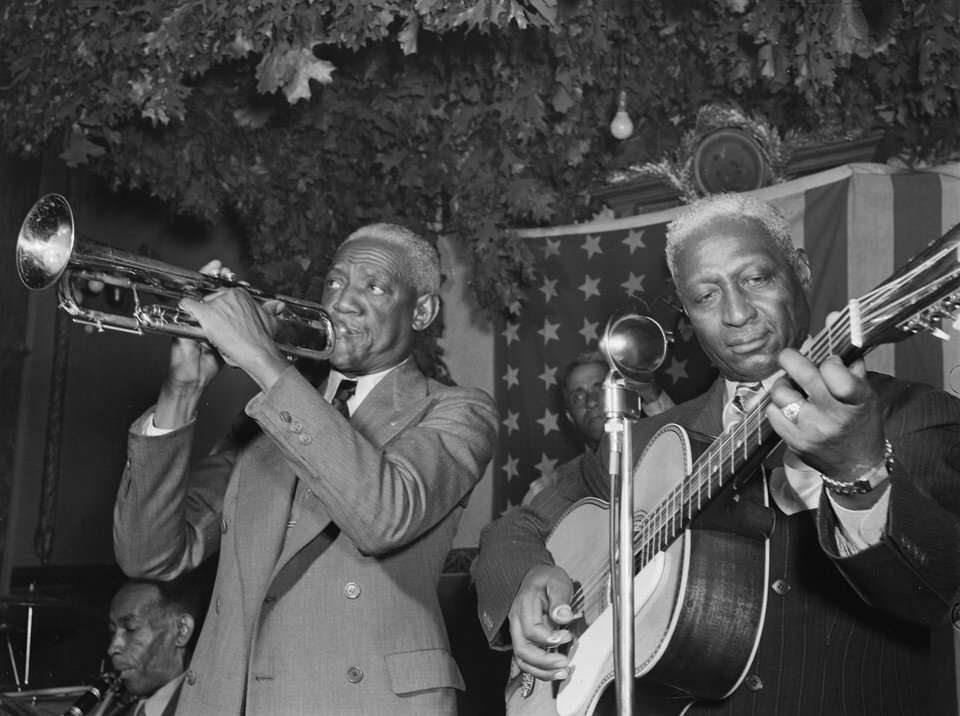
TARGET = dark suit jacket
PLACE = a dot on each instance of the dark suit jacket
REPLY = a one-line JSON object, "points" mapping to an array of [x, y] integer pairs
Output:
{"points": [[849, 635], [331, 536]]}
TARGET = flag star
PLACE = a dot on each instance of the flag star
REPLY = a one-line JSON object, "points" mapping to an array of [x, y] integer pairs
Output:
{"points": [[511, 376], [510, 467], [511, 423], [634, 284], [548, 421], [589, 287], [514, 308], [546, 465], [548, 377], [589, 331], [549, 289], [591, 245], [549, 332], [512, 333], [551, 248], [677, 370], [634, 240]]}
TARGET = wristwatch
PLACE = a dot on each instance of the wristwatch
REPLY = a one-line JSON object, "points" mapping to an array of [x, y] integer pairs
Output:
{"points": [[865, 483]]}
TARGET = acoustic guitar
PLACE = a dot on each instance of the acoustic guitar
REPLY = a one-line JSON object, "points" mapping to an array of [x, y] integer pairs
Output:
{"points": [[701, 527]]}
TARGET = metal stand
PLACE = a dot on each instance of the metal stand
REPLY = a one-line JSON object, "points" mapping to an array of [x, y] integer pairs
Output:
{"points": [[621, 407], [634, 346]]}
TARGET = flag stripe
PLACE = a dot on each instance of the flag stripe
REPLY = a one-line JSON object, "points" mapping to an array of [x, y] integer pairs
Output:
{"points": [[870, 248], [825, 232], [917, 222]]}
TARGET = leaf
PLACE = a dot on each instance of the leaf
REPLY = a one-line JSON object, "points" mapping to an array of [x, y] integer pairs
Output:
{"points": [[79, 149], [848, 29], [291, 71], [407, 37], [562, 101]]}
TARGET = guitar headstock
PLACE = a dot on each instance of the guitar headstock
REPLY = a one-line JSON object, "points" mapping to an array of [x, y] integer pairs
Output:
{"points": [[924, 295]]}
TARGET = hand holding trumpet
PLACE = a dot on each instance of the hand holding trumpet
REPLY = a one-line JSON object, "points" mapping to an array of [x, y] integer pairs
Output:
{"points": [[239, 332]]}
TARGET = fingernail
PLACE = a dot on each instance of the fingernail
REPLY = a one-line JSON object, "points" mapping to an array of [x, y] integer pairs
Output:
{"points": [[556, 638], [563, 612], [560, 675]]}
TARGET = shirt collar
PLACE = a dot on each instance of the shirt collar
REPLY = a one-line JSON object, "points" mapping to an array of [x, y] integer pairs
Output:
{"points": [[154, 704], [365, 383]]}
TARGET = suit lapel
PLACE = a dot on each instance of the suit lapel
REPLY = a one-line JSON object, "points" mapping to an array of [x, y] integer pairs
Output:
{"points": [[378, 419], [708, 414]]}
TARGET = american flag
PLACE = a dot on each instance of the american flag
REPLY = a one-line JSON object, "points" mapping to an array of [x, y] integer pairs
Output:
{"points": [[858, 223], [585, 278]]}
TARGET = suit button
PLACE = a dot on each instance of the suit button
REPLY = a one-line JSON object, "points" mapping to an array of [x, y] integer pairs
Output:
{"points": [[753, 683], [780, 587], [129, 463], [191, 677], [223, 527], [218, 605], [354, 675], [296, 428], [285, 416], [269, 599], [305, 439], [352, 590]]}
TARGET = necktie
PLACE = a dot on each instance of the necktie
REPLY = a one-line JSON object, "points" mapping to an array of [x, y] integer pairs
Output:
{"points": [[345, 391], [743, 398]]}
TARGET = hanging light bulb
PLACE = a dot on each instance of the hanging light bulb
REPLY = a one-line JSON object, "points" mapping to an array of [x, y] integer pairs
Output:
{"points": [[622, 126]]}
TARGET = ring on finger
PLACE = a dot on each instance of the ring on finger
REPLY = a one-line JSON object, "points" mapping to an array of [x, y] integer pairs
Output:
{"points": [[792, 410]]}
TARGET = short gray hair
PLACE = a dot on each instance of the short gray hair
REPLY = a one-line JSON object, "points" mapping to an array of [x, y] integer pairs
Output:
{"points": [[745, 207], [421, 254]]}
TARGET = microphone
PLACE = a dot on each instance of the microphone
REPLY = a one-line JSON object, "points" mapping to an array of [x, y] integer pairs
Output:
{"points": [[93, 695], [634, 345]]}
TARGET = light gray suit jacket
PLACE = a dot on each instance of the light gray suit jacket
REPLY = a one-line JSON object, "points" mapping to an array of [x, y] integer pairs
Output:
{"points": [[331, 536]]}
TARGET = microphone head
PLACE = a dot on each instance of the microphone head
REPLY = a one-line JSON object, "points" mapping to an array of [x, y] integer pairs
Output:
{"points": [[634, 345]]}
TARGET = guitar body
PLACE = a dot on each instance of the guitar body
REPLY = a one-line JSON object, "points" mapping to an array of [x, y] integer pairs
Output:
{"points": [[698, 604]]}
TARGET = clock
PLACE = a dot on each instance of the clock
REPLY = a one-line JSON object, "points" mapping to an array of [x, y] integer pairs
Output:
{"points": [[728, 160]]}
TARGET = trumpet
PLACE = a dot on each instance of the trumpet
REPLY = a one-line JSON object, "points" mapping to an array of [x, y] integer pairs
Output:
{"points": [[50, 250]]}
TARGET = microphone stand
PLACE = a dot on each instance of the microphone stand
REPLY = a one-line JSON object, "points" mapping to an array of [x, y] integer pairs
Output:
{"points": [[621, 406]]}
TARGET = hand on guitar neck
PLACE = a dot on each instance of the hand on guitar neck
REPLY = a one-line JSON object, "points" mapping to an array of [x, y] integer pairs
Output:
{"points": [[838, 428], [539, 612]]}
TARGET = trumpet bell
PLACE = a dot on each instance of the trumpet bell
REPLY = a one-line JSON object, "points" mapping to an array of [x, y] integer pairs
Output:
{"points": [[45, 243], [50, 250]]}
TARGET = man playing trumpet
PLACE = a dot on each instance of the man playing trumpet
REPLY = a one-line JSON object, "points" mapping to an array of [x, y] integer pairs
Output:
{"points": [[332, 527]]}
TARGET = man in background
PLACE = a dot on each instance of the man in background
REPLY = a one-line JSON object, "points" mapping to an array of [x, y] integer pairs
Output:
{"points": [[582, 383], [152, 625]]}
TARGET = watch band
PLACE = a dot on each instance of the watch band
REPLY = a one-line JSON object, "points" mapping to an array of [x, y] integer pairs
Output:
{"points": [[865, 483]]}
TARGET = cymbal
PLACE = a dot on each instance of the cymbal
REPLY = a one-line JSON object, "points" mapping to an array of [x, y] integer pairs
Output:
{"points": [[32, 600]]}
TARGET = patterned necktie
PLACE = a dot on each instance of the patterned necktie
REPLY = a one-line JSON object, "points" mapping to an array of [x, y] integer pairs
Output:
{"points": [[345, 391], [743, 398]]}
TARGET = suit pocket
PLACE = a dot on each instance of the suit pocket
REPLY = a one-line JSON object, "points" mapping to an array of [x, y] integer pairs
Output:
{"points": [[421, 670]]}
